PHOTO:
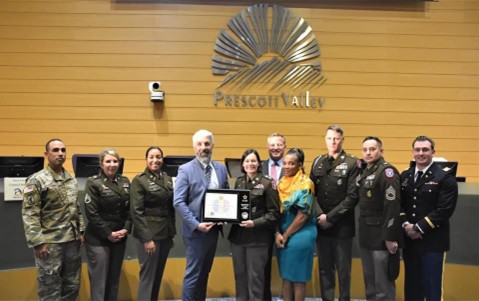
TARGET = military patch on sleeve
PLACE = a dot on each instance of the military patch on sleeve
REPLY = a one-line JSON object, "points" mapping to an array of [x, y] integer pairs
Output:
{"points": [[389, 172], [87, 198], [28, 189], [390, 194]]}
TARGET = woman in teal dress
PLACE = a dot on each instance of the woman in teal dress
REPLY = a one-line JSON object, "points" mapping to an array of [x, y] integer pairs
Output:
{"points": [[296, 237]]}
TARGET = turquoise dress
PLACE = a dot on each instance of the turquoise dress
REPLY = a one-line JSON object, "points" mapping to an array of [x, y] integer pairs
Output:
{"points": [[295, 261]]}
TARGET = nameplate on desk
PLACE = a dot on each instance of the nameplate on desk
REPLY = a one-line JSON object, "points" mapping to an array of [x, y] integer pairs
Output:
{"points": [[13, 188], [226, 206]]}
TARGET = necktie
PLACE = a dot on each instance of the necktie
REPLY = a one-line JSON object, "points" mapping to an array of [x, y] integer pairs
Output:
{"points": [[208, 175], [419, 175], [274, 175], [330, 161]]}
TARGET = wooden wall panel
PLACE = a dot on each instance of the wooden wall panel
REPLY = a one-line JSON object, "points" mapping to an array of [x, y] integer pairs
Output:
{"points": [[79, 70], [333, 103], [204, 48], [366, 78]]}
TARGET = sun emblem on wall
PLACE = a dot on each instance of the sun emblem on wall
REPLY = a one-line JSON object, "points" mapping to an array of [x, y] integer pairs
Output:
{"points": [[259, 51]]}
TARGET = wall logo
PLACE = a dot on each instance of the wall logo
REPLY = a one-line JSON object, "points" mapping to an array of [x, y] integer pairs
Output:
{"points": [[278, 53]]}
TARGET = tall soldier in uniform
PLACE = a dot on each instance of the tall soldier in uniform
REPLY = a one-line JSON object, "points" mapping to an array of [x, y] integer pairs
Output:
{"points": [[428, 200], [334, 175], [379, 225], [54, 226]]}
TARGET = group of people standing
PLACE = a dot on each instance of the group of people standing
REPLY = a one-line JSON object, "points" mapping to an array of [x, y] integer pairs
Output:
{"points": [[55, 229], [291, 212]]}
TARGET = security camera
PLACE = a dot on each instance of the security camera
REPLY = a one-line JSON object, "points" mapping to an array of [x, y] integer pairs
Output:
{"points": [[156, 94]]}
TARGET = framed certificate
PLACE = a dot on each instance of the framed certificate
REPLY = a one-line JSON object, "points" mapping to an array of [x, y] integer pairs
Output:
{"points": [[226, 205]]}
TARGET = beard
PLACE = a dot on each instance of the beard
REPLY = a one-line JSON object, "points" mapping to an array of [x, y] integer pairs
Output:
{"points": [[205, 159]]}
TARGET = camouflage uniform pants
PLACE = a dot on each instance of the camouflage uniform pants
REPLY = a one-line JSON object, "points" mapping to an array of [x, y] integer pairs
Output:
{"points": [[59, 274]]}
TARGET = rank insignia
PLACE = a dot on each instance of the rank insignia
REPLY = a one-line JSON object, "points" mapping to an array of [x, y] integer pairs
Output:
{"points": [[390, 194], [87, 198]]}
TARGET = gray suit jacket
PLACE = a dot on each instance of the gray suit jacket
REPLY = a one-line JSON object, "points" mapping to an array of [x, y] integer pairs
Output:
{"points": [[190, 190], [265, 168]]}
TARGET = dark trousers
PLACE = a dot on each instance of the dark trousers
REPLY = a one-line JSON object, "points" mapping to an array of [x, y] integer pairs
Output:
{"points": [[249, 266], [104, 269], [334, 254], [152, 268], [59, 274], [423, 275], [267, 272], [200, 253]]}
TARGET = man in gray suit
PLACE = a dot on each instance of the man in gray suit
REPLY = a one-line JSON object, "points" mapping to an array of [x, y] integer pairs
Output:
{"points": [[200, 238]]}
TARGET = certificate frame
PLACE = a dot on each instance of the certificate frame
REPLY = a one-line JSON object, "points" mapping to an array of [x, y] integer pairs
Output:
{"points": [[226, 206]]}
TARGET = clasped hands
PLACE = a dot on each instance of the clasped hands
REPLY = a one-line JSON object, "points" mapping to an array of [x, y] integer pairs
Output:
{"points": [[411, 233], [323, 222], [117, 236]]}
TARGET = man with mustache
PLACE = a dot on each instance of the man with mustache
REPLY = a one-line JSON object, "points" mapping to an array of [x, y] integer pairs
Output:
{"points": [[200, 238], [54, 226], [428, 199], [379, 226]]}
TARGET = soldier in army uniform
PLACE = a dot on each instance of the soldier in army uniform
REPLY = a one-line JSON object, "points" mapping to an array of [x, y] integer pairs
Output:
{"points": [[334, 175], [107, 207], [250, 240], [379, 225], [428, 199], [153, 217], [54, 226]]}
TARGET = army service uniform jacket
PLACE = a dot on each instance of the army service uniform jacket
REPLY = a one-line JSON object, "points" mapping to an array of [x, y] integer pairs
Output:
{"points": [[107, 207], [152, 208], [336, 193], [50, 211], [379, 206], [265, 212], [429, 203]]}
